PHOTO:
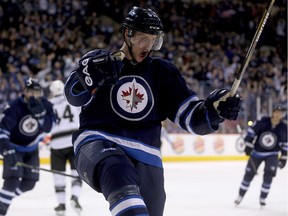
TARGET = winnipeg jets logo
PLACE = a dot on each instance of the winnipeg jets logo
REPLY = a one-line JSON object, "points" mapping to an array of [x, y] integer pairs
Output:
{"points": [[28, 125], [132, 98], [268, 140]]}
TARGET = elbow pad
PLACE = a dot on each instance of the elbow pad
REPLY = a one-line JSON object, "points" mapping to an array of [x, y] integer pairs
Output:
{"points": [[75, 93]]}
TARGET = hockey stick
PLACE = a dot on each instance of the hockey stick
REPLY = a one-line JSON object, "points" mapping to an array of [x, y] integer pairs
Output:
{"points": [[43, 169], [250, 51], [253, 165]]}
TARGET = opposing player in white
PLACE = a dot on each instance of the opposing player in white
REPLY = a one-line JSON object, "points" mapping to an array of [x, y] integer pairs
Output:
{"points": [[62, 149]]}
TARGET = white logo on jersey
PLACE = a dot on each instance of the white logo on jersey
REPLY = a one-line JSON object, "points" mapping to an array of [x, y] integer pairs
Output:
{"points": [[28, 125], [132, 98], [268, 140]]}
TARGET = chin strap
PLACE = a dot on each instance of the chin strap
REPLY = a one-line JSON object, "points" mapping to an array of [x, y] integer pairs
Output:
{"points": [[133, 61]]}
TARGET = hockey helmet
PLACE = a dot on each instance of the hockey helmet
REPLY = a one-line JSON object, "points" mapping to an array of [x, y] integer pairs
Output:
{"points": [[145, 21], [279, 107], [33, 88], [56, 88], [32, 83]]}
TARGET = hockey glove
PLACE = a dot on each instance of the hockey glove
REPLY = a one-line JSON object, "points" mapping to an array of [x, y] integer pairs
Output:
{"points": [[101, 70], [248, 149], [9, 158], [36, 107], [282, 162], [226, 107]]}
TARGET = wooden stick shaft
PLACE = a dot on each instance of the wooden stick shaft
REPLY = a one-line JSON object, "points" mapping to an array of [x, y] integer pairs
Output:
{"points": [[250, 51]]}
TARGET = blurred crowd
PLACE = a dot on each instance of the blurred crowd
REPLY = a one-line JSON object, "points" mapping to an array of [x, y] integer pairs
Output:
{"points": [[207, 40]]}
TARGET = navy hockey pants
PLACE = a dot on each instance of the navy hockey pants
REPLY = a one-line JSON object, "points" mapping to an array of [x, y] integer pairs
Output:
{"points": [[96, 160], [18, 180]]}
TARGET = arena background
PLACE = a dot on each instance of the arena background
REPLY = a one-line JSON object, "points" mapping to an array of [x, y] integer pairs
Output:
{"points": [[207, 40]]}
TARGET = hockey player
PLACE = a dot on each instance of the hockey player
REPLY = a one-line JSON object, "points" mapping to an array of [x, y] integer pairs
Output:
{"points": [[263, 142], [23, 126], [123, 104], [62, 149]]}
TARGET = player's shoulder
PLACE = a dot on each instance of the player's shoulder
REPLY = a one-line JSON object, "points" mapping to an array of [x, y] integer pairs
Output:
{"points": [[283, 125], [161, 61], [47, 103], [265, 119], [16, 104], [59, 99], [15, 107], [165, 64]]}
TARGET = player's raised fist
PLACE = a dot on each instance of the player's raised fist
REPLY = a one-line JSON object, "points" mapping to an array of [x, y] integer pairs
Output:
{"points": [[100, 70]]}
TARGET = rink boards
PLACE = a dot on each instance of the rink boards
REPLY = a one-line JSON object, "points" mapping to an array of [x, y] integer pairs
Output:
{"points": [[187, 147]]}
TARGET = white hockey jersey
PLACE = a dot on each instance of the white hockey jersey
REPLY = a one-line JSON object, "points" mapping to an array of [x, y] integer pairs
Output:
{"points": [[68, 122]]}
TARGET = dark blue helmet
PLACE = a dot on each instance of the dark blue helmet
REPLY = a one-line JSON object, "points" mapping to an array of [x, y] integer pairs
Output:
{"points": [[279, 107], [32, 83], [143, 20]]}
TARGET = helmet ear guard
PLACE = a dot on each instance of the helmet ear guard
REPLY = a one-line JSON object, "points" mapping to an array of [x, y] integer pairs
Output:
{"points": [[130, 33]]}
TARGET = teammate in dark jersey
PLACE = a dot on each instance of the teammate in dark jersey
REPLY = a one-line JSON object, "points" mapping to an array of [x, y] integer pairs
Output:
{"points": [[123, 104], [263, 142], [22, 127]]}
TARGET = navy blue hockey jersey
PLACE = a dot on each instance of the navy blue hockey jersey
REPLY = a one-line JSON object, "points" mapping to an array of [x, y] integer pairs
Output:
{"points": [[21, 131], [130, 113], [267, 140]]}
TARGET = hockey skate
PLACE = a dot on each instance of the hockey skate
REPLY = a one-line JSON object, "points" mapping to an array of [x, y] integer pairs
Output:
{"points": [[262, 202], [60, 210], [75, 205], [238, 200], [3, 209]]}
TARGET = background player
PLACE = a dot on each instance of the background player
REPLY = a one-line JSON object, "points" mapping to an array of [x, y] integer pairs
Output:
{"points": [[264, 140], [62, 149], [123, 104], [22, 127]]}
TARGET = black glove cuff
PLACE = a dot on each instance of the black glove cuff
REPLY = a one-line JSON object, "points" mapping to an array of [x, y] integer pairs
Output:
{"points": [[214, 118], [248, 150], [229, 109]]}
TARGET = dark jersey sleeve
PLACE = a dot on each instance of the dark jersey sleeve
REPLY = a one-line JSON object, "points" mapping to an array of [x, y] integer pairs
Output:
{"points": [[75, 93], [182, 104], [7, 123], [252, 132]]}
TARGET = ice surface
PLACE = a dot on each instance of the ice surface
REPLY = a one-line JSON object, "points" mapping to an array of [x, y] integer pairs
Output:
{"points": [[193, 189]]}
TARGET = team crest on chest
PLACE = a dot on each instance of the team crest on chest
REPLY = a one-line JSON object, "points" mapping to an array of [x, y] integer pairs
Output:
{"points": [[268, 140], [28, 125], [132, 98]]}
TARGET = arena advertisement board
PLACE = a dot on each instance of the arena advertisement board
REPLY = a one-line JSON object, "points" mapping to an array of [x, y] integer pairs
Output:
{"points": [[187, 147]]}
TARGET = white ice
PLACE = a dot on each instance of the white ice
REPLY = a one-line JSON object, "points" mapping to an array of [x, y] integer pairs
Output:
{"points": [[193, 189]]}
